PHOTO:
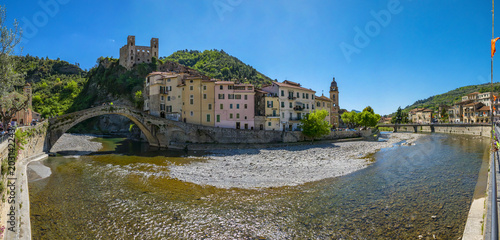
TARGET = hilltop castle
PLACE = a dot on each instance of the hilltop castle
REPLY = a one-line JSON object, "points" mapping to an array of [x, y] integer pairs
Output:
{"points": [[131, 54]]}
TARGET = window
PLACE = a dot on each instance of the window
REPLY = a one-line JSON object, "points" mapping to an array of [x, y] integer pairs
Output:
{"points": [[221, 96], [274, 113], [270, 104], [298, 95], [269, 124], [230, 96], [190, 81], [303, 95], [209, 106], [333, 96], [218, 118], [319, 104], [246, 97], [250, 88], [307, 95], [204, 96], [307, 106], [237, 96], [192, 113], [282, 104], [221, 87], [168, 80], [246, 106], [208, 117], [162, 98], [221, 106], [162, 107], [282, 93], [237, 115], [191, 88], [238, 106], [231, 116], [231, 106], [245, 117], [291, 106], [204, 87], [230, 87], [169, 108], [282, 115], [246, 125], [191, 99], [168, 98]]}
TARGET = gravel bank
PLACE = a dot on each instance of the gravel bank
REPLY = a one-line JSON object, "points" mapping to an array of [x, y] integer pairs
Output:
{"points": [[285, 166], [76, 144]]}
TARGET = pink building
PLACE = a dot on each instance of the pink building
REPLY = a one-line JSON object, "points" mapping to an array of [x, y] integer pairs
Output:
{"points": [[234, 105]]}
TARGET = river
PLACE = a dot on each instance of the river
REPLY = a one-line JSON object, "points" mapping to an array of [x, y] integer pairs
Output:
{"points": [[125, 193]]}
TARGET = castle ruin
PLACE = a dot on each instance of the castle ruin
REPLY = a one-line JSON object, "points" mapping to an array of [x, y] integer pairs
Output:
{"points": [[131, 54]]}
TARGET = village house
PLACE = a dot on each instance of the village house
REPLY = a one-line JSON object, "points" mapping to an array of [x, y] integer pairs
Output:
{"points": [[420, 115], [162, 96], [295, 102], [198, 100], [324, 103], [234, 105], [267, 110]]}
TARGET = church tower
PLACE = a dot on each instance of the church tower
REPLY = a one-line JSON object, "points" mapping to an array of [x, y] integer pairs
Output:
{"points": [[334, 111]]}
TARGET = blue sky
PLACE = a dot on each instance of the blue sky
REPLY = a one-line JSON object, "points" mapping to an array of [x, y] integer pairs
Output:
{"points": [[383, 53]]}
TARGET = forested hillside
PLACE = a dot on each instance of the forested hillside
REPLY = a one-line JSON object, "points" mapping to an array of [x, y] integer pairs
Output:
{"points": [[220, 65], [452, 96], [55, 83]]}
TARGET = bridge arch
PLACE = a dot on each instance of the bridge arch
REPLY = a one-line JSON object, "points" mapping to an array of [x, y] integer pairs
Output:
{"points": [[59, 125]]}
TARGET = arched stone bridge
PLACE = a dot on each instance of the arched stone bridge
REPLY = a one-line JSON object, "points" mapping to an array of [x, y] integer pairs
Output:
{"points": [[161, 132]]}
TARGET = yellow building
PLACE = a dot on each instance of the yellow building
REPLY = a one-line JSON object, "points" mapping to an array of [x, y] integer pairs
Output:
{"points": [[162, 96], [324, 103], [198, 101], [272, 111]]}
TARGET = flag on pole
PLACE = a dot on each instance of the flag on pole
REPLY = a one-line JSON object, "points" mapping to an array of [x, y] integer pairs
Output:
{"points": [[493, 50]]}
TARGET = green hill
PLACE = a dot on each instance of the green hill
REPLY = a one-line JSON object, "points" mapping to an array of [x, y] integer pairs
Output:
{"points": [[452, 96], [55, 83], [220, 65]]}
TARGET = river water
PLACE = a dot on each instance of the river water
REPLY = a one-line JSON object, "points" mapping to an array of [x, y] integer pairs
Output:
{"points": [[123, 193]]}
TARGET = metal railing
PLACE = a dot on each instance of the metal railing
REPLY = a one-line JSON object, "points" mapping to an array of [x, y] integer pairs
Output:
{"points": [[493, 196], [4, 138]]}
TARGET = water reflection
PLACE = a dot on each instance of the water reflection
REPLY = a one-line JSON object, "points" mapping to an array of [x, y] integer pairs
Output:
{"points": [[408, 191]]}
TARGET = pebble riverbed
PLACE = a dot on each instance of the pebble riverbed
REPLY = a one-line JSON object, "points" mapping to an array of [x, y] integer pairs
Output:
{"points": [[284, 166]]}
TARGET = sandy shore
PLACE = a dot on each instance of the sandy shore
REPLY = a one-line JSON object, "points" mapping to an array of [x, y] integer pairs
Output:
{"points": [[76, 144], [285, 166]]}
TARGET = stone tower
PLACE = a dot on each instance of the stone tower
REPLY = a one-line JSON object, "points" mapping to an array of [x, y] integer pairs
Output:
{"points": [[334, 96], [28, 93], [154, 47], [131, 54]]}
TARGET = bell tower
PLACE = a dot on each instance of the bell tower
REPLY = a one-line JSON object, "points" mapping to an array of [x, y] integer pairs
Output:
{"points": [[334, 96]]}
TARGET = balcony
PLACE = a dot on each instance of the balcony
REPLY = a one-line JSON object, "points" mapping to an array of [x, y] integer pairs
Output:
{"points": [[163, 91], [273, 116], [298, 108], [295, 118], [292, 97]]}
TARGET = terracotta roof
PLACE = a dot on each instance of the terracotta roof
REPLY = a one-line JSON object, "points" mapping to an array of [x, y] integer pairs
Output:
{"points": [[484, 108], [472, 104], [292, 83], [473, 93], [292, 86], [323, 98]]}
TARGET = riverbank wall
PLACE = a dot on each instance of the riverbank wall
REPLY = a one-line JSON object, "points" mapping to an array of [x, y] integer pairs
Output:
{"points": [[15, 209], [263, 139], [465, 129]]}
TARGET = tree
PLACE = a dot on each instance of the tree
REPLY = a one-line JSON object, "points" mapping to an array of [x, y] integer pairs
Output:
{"points": [[368, 109], [368, 119], [314, 124], [11, 103], [350, 119], [398, 117], [9, 39]]}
